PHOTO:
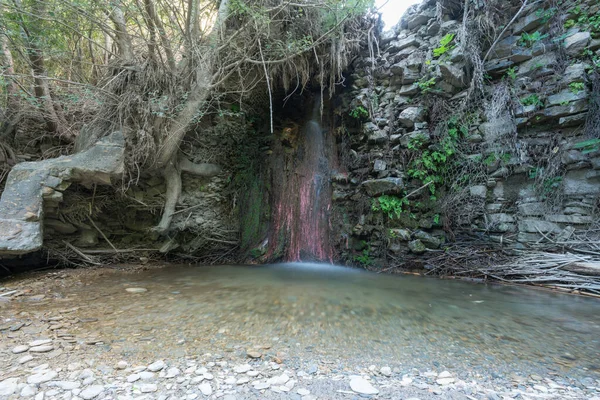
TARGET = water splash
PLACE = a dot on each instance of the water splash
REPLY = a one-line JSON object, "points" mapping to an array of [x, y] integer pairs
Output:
{"points": [[300, 223]]}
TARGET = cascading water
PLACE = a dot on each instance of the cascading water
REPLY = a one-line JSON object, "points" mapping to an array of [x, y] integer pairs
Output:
{"points": [[302, 194]]}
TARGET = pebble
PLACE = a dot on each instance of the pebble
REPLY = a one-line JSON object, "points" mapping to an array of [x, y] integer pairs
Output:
{"points": [[205, 388], [303, 392], [28, 391], [39, 342], [386, 371], [261, 385], [242, 369], [278, 380], [136, 290], [145, 375], [172, 372], [41, 349], [242, 380], [133, 377], [445, 381], [91, 392], [254, 354], [66, 385], [362, 386], [122, 365], [156, 366], [8, 386], [25, 359], [148, 388], [42, 377], [20, 349]]}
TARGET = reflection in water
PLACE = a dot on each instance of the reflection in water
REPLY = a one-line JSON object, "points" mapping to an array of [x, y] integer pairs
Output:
{"points": [[339, 313]]}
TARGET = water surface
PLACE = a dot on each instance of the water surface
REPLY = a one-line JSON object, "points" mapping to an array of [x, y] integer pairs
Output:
{"points": [[314, 311]]}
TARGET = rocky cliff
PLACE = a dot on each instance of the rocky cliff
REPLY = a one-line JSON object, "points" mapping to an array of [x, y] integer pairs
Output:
{"points": [[482, 128]]}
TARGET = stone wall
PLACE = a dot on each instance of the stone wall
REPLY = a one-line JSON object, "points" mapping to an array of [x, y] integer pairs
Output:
{"points": [[520, 171]]}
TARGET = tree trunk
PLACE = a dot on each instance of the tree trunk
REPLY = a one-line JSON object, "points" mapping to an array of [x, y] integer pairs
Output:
{"points": [[122, 37], [12, 92]]}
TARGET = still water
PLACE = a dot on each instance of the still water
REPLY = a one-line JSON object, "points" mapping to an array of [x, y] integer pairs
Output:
{"points": [[314, 311]]}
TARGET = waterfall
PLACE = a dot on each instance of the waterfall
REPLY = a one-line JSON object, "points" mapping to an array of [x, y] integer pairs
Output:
{"points": [[302, 196]]}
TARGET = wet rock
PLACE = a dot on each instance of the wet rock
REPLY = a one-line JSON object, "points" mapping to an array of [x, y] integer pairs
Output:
{"points": [[362, 386]]}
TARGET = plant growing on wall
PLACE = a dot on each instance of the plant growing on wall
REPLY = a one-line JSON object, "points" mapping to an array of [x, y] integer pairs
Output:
{"points": [[392, 206], [444, 46], [528, 40]]}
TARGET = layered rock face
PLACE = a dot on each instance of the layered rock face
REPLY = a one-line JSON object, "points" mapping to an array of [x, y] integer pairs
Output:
{"points": [[447, 135]]}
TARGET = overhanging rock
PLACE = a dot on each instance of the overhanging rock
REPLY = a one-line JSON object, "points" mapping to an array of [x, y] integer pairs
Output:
{"points": [[29, 183]]}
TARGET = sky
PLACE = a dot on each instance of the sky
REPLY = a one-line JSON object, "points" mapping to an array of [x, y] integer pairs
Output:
{"points": [[393, 10]]}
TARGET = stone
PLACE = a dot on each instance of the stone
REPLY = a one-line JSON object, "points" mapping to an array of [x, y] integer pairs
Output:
{"points": [[91, 392], [528, 23], [136, 290], [396, 46], [420, 19], [254, 354], [478, 191], [408, 90], [410, 115], [122, 364], [417, 247], [303, 392], [574, 107], [42, 377], [65, 385], [8, 386], [428, 240], [261, 385], [492, 131], [379, 165], [172, 372], [242, 369], [133, 377], [243, 380], [578, 182], [378, 187], [548, 60], [402, 234], [147, 375], [40, 342], [362, 386], [453, 74], [573, 120], [64, 228], [87, 238], [445, 381], [157, 365], [205, 388], [576, 43], [21, 204], [537, 226], [386, 371], [532, 209], [25, 359], [148, 387], [41, 349], [278, 380], [28, 391], [566, 96], [570, 219], [20, 349]]}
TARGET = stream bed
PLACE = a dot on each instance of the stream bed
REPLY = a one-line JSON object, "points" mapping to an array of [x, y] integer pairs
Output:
{"points": [[306, 316]]}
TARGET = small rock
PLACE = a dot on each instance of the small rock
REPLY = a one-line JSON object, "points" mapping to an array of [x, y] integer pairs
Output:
{"points": [[156, 366], [303, 392], [136, 290], [20, 349], [253, 374], [205, 388], [148, 388], [8, 386], [362, 386], [25, 359], [41, 377], [66, 385], [278, 380], [261, 385], [444, 374], [41, 349], [445, 381], [242, 369], [133, 377], [172, 372], [40, 342], [145, 375], [28, 391], [253, 354], [122, 365], [91, 391], [242, 380], [387, 371]]}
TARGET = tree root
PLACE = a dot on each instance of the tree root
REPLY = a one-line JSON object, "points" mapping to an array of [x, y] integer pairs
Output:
{"points": [[172, 175]]}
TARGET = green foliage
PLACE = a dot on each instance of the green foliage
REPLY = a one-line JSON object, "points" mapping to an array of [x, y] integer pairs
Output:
{"points": [[415, 143], [576, 87], [532, 100], [392, 206], [569, 24], [359, 113], [431, 166], [512, 73], [444, 46], [547, 15], [426, 85], [529, 40], [436, 219], [588, 146], [364, 258], [583, 19]]}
